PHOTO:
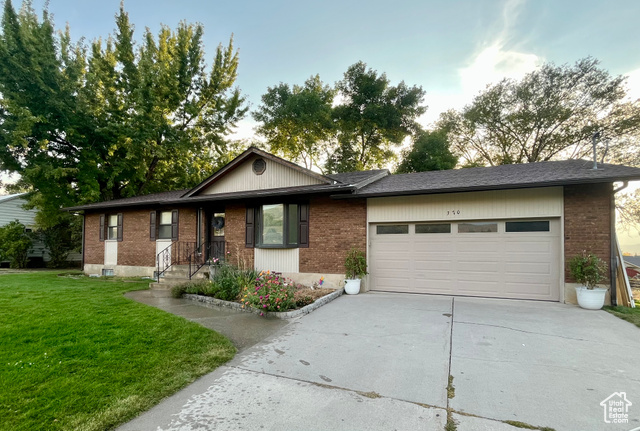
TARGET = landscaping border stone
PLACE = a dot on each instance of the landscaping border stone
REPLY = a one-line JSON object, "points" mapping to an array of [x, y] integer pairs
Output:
{"points": [[279, 314]]}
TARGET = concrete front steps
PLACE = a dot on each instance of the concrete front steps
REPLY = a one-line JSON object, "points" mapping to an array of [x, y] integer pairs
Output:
{"points": [[177, 274]]}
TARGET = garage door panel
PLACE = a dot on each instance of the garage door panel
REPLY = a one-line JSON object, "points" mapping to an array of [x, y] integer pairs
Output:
{"points": [[468, 266], [523, 265], [433, 276], [476, 245], [477, 288], [433, 265], [531, 268], [528, 246], [526, 290], [391, 283], [437, 246]]}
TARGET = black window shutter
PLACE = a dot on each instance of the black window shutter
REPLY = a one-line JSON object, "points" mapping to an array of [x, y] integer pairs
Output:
{"points": [[152, 226], [120, 227], [174, 225], [103, 226], [250, 231], [303, 227]]}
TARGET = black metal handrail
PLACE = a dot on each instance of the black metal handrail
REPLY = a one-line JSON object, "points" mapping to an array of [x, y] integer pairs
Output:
{"points": [[177, 253], [198, 258]]}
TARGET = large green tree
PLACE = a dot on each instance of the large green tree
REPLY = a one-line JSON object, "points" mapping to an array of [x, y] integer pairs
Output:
{"points": [[296, 121], [117, 118], [429, 152], [373, 119], [552, 113]]}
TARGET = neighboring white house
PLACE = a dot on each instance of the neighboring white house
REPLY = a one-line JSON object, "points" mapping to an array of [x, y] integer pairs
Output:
{"points": [[11, 209]]}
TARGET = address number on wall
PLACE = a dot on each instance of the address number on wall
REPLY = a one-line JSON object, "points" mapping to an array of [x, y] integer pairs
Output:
{"points": [[453, 212]]}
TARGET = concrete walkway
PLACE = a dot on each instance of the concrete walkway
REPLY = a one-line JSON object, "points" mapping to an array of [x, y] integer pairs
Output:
{"points": [[383, 361], [243, 329]]}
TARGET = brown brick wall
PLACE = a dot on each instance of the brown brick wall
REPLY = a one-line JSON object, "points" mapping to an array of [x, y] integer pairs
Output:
{"points": [[187, 219], [135, 249], [334, 227], [587, 221], [93, 248], [234, 233]]}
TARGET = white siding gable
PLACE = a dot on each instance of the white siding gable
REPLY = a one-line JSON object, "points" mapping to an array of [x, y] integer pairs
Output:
{"points": [[275, 176]]}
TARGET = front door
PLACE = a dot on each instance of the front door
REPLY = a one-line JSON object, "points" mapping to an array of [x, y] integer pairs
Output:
{"points": [[216, 235]]}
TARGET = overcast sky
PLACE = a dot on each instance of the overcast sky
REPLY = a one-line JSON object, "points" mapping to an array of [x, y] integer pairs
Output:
{"points": [[452, 48]]}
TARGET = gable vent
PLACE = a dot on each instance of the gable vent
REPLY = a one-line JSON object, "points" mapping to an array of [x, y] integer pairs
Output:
{"points": [[259, 166]]}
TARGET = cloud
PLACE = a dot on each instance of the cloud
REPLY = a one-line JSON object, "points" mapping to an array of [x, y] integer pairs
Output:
{"points": [[496, 60], [494, 63], [633, 84], [244, 130]]}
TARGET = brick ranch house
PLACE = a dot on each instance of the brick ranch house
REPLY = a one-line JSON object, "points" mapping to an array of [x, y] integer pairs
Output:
{"points": [[502, 232]]}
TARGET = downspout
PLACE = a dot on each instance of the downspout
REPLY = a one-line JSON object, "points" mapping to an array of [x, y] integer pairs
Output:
{"points": [[613, 267]]}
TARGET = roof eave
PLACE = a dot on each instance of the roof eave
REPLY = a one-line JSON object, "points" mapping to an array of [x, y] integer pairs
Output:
{"points": [[328, 189]]}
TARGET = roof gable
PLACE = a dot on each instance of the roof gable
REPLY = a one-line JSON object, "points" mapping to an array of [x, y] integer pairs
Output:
{"points": [[239, 175]]}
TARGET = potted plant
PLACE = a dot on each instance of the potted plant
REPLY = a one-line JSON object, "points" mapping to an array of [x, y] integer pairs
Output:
{"points": [[355, 266], [589, 270]]}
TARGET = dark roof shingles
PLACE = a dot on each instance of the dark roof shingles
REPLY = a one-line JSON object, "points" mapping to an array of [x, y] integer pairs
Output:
{"points": [[135, 200], [500, 177]]}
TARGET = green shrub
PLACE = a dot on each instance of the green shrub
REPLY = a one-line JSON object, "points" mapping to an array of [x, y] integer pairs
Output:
{"points": [[271, 292], [229, 281], [178, 290], [14, 244], [226, 286], [588, 269], [355, 264], [196, 287], [60, 240]]}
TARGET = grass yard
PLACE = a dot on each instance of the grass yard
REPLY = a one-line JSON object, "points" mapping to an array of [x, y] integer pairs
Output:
{"points": [[629, 314], [75, 354]]}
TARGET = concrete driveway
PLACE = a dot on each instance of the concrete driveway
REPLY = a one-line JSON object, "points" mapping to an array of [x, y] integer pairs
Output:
{"points": [[382, 362]]}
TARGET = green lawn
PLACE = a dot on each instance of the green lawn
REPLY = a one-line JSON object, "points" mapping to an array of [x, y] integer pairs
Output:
{"points": [[629, 314], [75, 354]]}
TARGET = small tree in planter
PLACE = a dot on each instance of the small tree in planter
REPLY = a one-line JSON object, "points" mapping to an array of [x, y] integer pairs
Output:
{"points": [[589, 270], [355, 266]]}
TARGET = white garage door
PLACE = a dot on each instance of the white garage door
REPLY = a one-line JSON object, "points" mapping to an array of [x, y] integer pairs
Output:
{"points": [[500, 259]]}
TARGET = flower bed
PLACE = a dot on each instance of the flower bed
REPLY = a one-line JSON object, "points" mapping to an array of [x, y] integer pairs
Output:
{"points": [[265, 293]]}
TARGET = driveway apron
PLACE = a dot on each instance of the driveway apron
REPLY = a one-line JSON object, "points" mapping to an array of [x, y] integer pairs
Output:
{"points": [[544, 364], [382, 361]]}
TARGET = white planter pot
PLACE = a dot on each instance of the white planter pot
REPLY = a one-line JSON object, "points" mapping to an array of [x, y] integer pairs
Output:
{"points": [[590, 299], [352, 286]]}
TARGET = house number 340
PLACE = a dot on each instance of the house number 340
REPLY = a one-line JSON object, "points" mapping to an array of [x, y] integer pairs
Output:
{"points": [[453, 212]]}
